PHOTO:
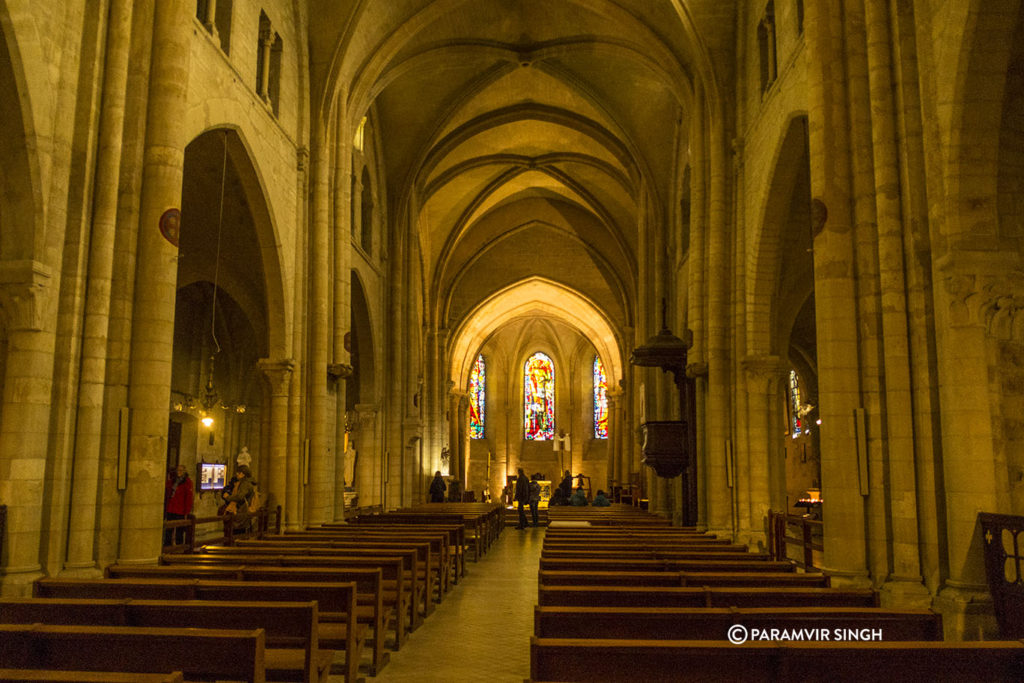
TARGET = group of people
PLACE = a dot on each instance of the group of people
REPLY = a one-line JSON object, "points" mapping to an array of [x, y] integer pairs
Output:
{"points": [[527, 493], [179, 498]]}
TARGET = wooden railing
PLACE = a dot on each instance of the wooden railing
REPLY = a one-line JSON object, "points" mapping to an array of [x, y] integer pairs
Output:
{"points": [[779, 540], [258, 527], [1003, 539]]}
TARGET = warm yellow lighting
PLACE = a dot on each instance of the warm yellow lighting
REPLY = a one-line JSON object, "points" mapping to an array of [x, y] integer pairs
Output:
{"points": [[357, 140], [207, 421], [817, 422]]}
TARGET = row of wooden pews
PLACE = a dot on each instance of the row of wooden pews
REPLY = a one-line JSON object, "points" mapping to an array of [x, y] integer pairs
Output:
{"points": [[625, 600], [291, 607]]}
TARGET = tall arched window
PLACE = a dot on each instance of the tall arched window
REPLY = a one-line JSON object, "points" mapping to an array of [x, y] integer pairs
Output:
{"points": [[539, 398], [796, 424], [600, 400], [477, 398]]}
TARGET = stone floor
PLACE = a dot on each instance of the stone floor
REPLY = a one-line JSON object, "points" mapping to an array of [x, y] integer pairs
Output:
{"points": [[481, 632]]}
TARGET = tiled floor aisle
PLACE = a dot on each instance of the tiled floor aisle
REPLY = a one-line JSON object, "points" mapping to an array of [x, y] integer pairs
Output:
{"points": [[481, 632]]}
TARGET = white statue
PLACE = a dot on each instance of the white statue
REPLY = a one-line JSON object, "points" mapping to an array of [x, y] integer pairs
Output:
{"points": [[244, 457]]}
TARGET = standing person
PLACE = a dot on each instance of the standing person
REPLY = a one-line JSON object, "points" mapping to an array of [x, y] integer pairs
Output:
{"points": [[566, 486], [534, 498], [178, 498], [522, 496], [437, 488]]}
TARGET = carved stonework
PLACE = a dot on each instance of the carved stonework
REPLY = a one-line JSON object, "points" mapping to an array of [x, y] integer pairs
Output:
{"points": [[278, 374], [24, 290], [695, 370], [993, 299], [764, 373], [338, 371]]}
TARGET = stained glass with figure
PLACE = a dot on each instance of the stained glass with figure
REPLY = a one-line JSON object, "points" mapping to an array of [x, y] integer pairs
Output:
{"points": [[477, 398], [796, 425], [600, 400], [539, 398]]}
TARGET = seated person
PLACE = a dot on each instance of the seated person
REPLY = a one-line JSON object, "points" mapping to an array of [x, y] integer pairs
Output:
{"points": [[557, 498], [600, 501], [579, 498]]}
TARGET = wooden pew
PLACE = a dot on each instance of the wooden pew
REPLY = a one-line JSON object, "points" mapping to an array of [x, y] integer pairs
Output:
{"points": [[32, 675], [292, 643], [712, 623], [397, 590], [688, 596], [456, 533], [413, 579], [337, 629], [426, 564], [201, 654], [441, 557], [569, 659], [612, 564], [471, 524]]}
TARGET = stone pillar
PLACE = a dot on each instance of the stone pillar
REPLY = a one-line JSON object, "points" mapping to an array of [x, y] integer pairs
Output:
{"points": [[972, 289], [26, 294], [764, 376], [300, 305], [279, 377], [369, 473], [904, 586], [719, 499], [341, 296], [695, 311], [615, 427], [835, 292], [157, 269], [95, 330], [320, 501], [266, 39], [210, 21]]}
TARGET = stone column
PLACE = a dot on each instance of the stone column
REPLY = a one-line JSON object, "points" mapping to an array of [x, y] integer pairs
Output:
{"points": [[320, 501], [973, 291], [26, 295], [695, 311], [157, 269], [614, 395], [719, 498], [279, 377], [210, 21], [764, 375], [266, 39], [369, 473], [904, 585], [835, 292], [341, 234], [95, 330]]}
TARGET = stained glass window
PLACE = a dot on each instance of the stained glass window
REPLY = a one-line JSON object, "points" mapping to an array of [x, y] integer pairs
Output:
{"points": [[600, 400], [796, 426], [539, 398], [477, 398]]}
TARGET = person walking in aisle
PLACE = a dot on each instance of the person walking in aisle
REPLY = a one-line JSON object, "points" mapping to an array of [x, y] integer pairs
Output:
{"points": [[522, 496]]}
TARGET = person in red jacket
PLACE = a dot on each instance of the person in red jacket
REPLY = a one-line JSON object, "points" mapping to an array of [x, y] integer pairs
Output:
{"points": [[178, 502]]}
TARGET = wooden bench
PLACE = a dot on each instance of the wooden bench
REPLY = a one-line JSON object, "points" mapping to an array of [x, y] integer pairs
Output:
{"points": [[571, 659], [408, 579], [201, 654], [473, 535], [425, 566], [29, 675], [456, 533], [712, 623], [613, 564], [397, 591], [292, 646], [437, 545], [337, 629], [654, 596], [342, 627]]}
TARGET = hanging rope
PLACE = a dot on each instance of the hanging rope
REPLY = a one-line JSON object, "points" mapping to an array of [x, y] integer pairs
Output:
{"points": [[220, 227]]}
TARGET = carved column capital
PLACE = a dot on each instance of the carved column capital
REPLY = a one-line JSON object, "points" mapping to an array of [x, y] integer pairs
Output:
{"points": [[338, 371], [24, 288], [278, 374], [764, 372]]}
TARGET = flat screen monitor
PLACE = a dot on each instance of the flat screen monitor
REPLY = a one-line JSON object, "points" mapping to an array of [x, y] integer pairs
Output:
{"points": [[212, 476]]}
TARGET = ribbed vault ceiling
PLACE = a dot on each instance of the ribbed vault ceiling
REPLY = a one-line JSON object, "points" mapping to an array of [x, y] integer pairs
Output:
{"points": [[523, 139]]}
